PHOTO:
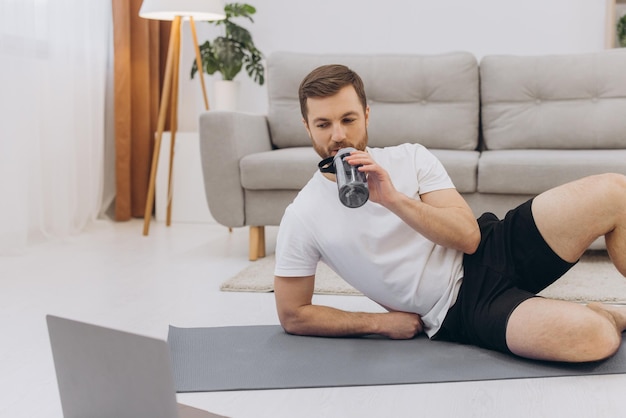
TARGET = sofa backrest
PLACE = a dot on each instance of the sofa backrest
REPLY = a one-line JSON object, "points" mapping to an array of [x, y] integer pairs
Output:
{"points": [[429, 99], [573, 101]]}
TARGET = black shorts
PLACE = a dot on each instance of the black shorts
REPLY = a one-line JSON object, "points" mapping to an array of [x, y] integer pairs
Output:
{"points": [[513, 263]]}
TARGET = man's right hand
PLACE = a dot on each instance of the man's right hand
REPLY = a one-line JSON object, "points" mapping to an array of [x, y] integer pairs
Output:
{"points": [[400, 325]]}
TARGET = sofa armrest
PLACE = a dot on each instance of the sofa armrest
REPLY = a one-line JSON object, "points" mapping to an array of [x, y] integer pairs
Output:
{"points": [[226, 137]]}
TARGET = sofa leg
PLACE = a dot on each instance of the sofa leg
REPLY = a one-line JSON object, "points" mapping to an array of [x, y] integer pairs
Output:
{"points": [[257, 242]]}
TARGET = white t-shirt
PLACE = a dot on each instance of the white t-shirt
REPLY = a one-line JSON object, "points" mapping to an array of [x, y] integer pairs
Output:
{"points": [[370, 247]]}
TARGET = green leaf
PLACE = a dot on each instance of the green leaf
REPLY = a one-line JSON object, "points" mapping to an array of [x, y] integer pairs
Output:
{"points": [[239, 10], [235, 50], [238, 33], [621, 31], [230, 57]]}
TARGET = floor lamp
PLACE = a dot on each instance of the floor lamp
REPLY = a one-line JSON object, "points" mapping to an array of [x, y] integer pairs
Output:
{"points": [[174, 10]]}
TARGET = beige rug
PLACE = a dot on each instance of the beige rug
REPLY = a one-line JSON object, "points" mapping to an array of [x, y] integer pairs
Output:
{"points": [[593, 279]]}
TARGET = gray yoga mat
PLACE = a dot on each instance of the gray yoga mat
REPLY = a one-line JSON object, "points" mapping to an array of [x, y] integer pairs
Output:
{"points": [[265, 357]]}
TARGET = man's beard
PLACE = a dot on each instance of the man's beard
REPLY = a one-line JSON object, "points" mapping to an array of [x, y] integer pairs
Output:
{"points": [[328, 152]]}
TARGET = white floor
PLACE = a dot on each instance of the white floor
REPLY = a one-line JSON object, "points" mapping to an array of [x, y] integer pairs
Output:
{"points": [[113, 276]]}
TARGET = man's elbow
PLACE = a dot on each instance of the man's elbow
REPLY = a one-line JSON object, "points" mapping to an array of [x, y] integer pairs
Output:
{"points": [[472, 241], [291, 323], [289, 328]]}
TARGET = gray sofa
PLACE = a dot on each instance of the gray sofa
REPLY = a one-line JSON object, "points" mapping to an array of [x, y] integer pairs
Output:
{"points": [[506, 129]]}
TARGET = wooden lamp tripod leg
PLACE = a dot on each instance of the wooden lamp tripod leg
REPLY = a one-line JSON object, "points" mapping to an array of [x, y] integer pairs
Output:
{"points": [[165, 98], [173, 128], [192, 24]]}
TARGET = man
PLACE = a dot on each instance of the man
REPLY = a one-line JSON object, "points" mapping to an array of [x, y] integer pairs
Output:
{"points": [[417, 250]]}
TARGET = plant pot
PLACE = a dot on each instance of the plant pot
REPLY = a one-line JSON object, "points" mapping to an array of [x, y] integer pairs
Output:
{"points": [[226, 95]]}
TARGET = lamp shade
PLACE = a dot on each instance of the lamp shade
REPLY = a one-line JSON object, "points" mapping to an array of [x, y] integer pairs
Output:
{"points": [[169, 9]]}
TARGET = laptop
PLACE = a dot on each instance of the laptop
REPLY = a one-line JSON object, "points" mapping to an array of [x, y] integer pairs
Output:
{"points": [[103, 372]]}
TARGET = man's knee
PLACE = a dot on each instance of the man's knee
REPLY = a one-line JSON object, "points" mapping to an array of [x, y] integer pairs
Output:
{"points": [[604, 338], [613, 183], [606, 197], [604, 345]]}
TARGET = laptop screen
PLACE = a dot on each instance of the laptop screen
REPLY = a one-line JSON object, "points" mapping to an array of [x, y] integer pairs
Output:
{"points": [[107, 373]]}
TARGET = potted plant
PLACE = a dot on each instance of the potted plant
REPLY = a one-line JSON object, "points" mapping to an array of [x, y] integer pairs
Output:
{"points": [[230, 53], [621, 31]]}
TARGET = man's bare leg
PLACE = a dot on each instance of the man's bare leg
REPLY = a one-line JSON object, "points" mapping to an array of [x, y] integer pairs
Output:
{"points": [[572, 216], [548, 329]]}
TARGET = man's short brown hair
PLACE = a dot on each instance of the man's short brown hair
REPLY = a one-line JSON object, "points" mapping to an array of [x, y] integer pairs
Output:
{"points": [[326, 81]]}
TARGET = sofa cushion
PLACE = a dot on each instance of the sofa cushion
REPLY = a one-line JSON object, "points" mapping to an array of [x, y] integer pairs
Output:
{"points": [[288, 168], [554, 102], [531, 172], [429, 99], [461, 167]]}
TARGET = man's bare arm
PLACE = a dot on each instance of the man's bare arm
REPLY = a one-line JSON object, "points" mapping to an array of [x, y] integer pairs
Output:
{"points": [[299, 316], [442, 216]]}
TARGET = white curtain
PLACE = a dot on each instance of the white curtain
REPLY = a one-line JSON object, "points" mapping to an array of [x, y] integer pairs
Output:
{"points": [[53, 69]]}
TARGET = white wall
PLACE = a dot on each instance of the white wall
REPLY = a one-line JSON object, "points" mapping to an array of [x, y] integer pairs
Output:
{"points": [[482, 27]]}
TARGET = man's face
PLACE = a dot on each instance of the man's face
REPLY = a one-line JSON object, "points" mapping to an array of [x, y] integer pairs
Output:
{"points": [[337, 122]]}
